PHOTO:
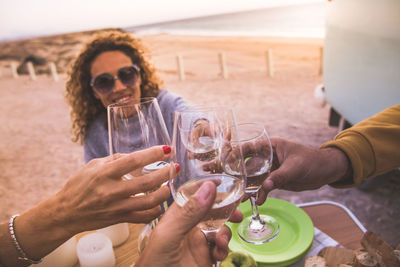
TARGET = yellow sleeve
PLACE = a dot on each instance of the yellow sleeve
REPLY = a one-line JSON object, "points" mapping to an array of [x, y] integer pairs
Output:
{"points": [[372, 146]]}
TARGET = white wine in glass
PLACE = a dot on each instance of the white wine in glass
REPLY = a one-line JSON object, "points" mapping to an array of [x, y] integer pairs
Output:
{"points": [[257, 156], [201, 138], [137, 125]]}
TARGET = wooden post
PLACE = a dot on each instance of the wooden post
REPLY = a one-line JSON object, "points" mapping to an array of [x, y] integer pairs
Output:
{"points": [[181, 70], [321, 60], [224, 70], [31, 70], [269, 64], [14, 72], [53, 71]]}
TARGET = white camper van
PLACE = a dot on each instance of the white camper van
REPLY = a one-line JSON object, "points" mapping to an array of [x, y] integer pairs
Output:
{"points": [[361, 60]]}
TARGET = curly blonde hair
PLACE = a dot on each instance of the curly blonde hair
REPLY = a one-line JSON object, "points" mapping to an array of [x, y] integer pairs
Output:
{"points": [[79, 94]]}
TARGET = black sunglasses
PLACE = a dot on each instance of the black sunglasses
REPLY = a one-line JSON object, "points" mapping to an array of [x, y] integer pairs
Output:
{"points": [[105, 82]]}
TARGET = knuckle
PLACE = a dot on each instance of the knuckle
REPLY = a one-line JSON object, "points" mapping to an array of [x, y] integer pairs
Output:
{"points": [[279, 180], [150, 201], [147, 184]]}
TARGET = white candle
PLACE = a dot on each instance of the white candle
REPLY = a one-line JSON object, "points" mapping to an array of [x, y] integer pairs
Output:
{"points": [[63, 256], [95, 250], [118, 233]]}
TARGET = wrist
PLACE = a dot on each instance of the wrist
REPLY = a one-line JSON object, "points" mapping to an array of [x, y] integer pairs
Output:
{"points": [[22, 256], [41, 229], [338, 164]]}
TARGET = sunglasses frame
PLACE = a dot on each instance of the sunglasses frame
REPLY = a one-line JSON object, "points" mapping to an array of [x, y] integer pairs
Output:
{"points": [[115, 77]]}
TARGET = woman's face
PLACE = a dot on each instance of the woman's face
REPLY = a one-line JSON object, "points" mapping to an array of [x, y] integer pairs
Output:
{"points": [[110, 62]]}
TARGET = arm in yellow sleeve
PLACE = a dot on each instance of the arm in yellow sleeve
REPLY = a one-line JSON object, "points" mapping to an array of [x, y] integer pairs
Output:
{"points": [[372, 146]]}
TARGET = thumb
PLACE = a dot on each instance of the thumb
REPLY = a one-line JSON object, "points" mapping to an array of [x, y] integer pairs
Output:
{"points": [[180, 220]]}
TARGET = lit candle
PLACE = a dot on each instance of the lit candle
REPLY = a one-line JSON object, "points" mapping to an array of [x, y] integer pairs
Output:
{"points": [[95, 250], [118, 233], [63, 256]]}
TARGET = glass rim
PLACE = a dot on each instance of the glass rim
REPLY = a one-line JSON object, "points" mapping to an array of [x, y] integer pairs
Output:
{"points": [[197, 108], [143, 100], [261, 127]]}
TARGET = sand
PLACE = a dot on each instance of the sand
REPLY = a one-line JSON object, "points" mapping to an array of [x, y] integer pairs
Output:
{"points": [[37, 156]]}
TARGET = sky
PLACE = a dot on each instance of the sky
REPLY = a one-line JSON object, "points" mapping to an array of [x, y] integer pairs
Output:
{"points": [[31, 18]]}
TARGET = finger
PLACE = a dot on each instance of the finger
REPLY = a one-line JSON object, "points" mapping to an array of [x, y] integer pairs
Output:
{"points": [[245, 197], [261, 197], [178, 221], [236, 216], [221, 249], [146, 201], [144, 216], [267, 186], [124, 164], [104, 220], [146, 183], [115, 209]]}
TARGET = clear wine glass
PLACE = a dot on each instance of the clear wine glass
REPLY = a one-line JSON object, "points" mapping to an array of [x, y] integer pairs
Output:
{"points": [[137, 125], [257, 155], [200, 140]]}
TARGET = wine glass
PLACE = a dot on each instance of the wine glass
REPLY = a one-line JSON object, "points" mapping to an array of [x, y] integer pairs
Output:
{"points": [[137, 125], [201, 139], [257, 154]]}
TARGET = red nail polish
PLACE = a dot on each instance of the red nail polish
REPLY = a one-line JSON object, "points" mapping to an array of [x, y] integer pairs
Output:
{"points": [[166, 149], [177, 167]]}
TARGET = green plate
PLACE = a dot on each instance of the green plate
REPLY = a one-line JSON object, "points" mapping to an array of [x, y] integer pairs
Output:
{"points": [[291, 244]]}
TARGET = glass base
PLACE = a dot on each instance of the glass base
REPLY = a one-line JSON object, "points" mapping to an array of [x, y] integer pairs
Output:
{"points": [[258, 231]]}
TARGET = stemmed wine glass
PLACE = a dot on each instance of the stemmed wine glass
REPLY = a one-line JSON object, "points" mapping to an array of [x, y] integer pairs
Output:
{"points": [[201, 139], [257, 155], [137, 125]]}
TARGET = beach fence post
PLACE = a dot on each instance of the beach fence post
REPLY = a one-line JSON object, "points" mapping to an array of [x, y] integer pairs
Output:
{"points": [[321, 60], [224, 70], [269, 63], [53, 71], [14, 72], [31, 70], [181, 70]]}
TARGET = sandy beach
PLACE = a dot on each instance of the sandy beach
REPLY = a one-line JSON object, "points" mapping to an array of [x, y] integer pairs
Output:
{"points": [[37, 155]]}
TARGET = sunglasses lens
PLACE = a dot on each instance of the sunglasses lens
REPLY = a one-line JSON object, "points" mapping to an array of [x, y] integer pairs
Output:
{"points": [[104, 83], [128, 75]]}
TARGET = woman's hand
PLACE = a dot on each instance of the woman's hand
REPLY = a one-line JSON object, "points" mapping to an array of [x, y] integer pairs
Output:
{"points": [[176, 241], [95, 197], [98, 191]]}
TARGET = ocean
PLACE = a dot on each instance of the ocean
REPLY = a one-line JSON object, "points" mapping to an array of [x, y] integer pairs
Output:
{"points": [[306, 20]]}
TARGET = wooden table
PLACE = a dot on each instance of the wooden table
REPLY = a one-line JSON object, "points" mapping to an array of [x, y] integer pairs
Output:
{"points": [[330, 217], [336, 221]]}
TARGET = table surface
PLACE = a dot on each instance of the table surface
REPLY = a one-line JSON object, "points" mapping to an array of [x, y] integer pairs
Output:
{"points": [[337, 222], [331, 218]]}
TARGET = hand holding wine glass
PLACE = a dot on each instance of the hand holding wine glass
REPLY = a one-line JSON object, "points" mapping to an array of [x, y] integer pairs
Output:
{"points": [[133, 126], [257, 155], [176, 239], [199, 153]]}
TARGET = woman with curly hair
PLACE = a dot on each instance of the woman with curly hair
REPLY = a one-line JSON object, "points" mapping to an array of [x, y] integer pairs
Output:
{"points": [[111, 68]]}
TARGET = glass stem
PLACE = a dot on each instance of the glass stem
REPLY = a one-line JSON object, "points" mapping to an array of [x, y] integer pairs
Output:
{"points": [[255, 215], [211, 236]]}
